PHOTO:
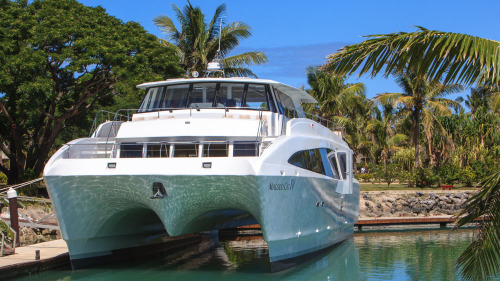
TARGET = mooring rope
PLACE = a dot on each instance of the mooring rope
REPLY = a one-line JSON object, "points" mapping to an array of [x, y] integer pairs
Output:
{"points": [[5, 189]]}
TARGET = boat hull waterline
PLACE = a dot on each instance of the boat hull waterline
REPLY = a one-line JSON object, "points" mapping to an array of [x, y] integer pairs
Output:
{"points": [[298, 215]]}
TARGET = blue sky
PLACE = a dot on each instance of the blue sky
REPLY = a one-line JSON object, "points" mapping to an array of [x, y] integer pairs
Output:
{"points": [[296, 34]]}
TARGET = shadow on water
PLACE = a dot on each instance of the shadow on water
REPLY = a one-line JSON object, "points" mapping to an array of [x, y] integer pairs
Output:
{"points": [[411, 255]]}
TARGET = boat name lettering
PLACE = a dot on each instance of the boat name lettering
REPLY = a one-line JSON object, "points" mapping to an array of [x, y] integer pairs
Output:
{"points": [[282, 186]]}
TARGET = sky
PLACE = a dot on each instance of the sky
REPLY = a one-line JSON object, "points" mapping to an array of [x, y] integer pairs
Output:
{"points": [[296, 34]]}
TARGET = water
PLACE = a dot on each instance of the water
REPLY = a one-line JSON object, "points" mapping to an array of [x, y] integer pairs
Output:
{"points": [[409, 255]]}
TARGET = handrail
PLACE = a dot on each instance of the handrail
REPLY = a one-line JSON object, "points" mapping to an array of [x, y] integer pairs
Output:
{"points": [[4, 190], [286, 114], [101, 113]]}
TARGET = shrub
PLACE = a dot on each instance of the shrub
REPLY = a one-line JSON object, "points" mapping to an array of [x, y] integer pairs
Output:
{"points": [[425, 177], [482, 169], [3, 178], [449, 173], [366, 177], [388, 174], [406, 177], [468, 177]]}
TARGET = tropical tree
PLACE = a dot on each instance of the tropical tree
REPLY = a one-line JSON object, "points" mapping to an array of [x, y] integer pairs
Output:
{"points": [[453, 57], [197, 42], [58, 61], [424, 101], [344, 103]]}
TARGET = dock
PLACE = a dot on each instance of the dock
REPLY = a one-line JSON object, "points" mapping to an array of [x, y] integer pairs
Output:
{"points": [[442, 221], [52, 254]]}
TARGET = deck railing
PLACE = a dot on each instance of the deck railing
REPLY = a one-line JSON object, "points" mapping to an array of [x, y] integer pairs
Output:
{"points": [[105, 147]]}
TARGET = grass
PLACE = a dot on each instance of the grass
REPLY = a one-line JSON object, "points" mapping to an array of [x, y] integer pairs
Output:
{"points": [[374, 186]]}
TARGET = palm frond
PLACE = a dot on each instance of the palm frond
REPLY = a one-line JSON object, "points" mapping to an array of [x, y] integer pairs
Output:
{"points": [[248, 58], [481, 260], [457, 57], [495, 102], [386, 98], [239, 72]]}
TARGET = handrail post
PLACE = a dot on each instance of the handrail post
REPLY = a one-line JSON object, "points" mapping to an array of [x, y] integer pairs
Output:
{"points": [[1, 246], [14, 216]]}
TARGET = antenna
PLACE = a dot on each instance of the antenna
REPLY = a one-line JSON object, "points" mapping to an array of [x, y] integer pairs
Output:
{"points": [[215, 65]]}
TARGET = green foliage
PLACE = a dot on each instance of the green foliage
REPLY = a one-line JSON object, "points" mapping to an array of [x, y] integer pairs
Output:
{"points": [[59, 60], [468, 177], [389, 174], [457, 57], [5, 229], [425, 177], [197, 42], [406, 177], [482, 169], [366, 177], [448, 173], [3, 178], [480, 260]]}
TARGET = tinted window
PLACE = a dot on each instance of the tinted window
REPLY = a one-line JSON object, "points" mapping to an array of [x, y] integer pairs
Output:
{"points": [[285, 103], [152, 100], [215, 150], [343, 164], [230, 95], [333, 162], [186, 150], [310, 159], [157, 150], [245, 149], [256, 97], [202, 95], [131, 150], [176, 96]]}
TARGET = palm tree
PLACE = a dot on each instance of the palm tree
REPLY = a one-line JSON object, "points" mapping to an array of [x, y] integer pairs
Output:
{"points": [[424, 100], [334, 95], [344, 103], [197, 43], [455, 57]]}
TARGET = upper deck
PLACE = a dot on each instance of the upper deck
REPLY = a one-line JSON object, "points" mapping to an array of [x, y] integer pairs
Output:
{"points": [[204, 112]]}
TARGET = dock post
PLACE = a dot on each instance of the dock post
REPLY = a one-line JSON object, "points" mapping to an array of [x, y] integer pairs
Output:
{"points": [[14, 216]]}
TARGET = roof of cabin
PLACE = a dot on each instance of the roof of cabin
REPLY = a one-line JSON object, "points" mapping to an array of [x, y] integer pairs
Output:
{"points": [[290, 91]]}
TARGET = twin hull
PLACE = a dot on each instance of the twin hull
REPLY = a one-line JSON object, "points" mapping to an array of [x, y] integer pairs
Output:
{"points": [[99, 213]]}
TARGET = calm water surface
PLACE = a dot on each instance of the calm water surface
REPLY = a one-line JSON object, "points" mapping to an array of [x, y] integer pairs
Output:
{"points": [[409, 255]]}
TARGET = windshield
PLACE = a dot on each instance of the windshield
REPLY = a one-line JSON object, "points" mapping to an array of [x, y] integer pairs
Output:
{"points": [[207, 95]]}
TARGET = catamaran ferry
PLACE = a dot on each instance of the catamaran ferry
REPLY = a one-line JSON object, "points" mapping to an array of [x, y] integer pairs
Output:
{"points": [[205, 154]]}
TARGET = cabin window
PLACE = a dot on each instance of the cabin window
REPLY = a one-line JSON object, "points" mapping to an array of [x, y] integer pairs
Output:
{"points": [[215, 150], [202, 95], [342, 156], [242, 149], [230, 95], [152, 100], [186, 150], [131, 150], [157, 150], [285, 103], [333, 161], [310, 159], [256, 97], [176, 96]]}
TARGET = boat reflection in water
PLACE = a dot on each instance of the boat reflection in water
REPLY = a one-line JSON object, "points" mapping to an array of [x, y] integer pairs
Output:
{"points": [[405, 255]]}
